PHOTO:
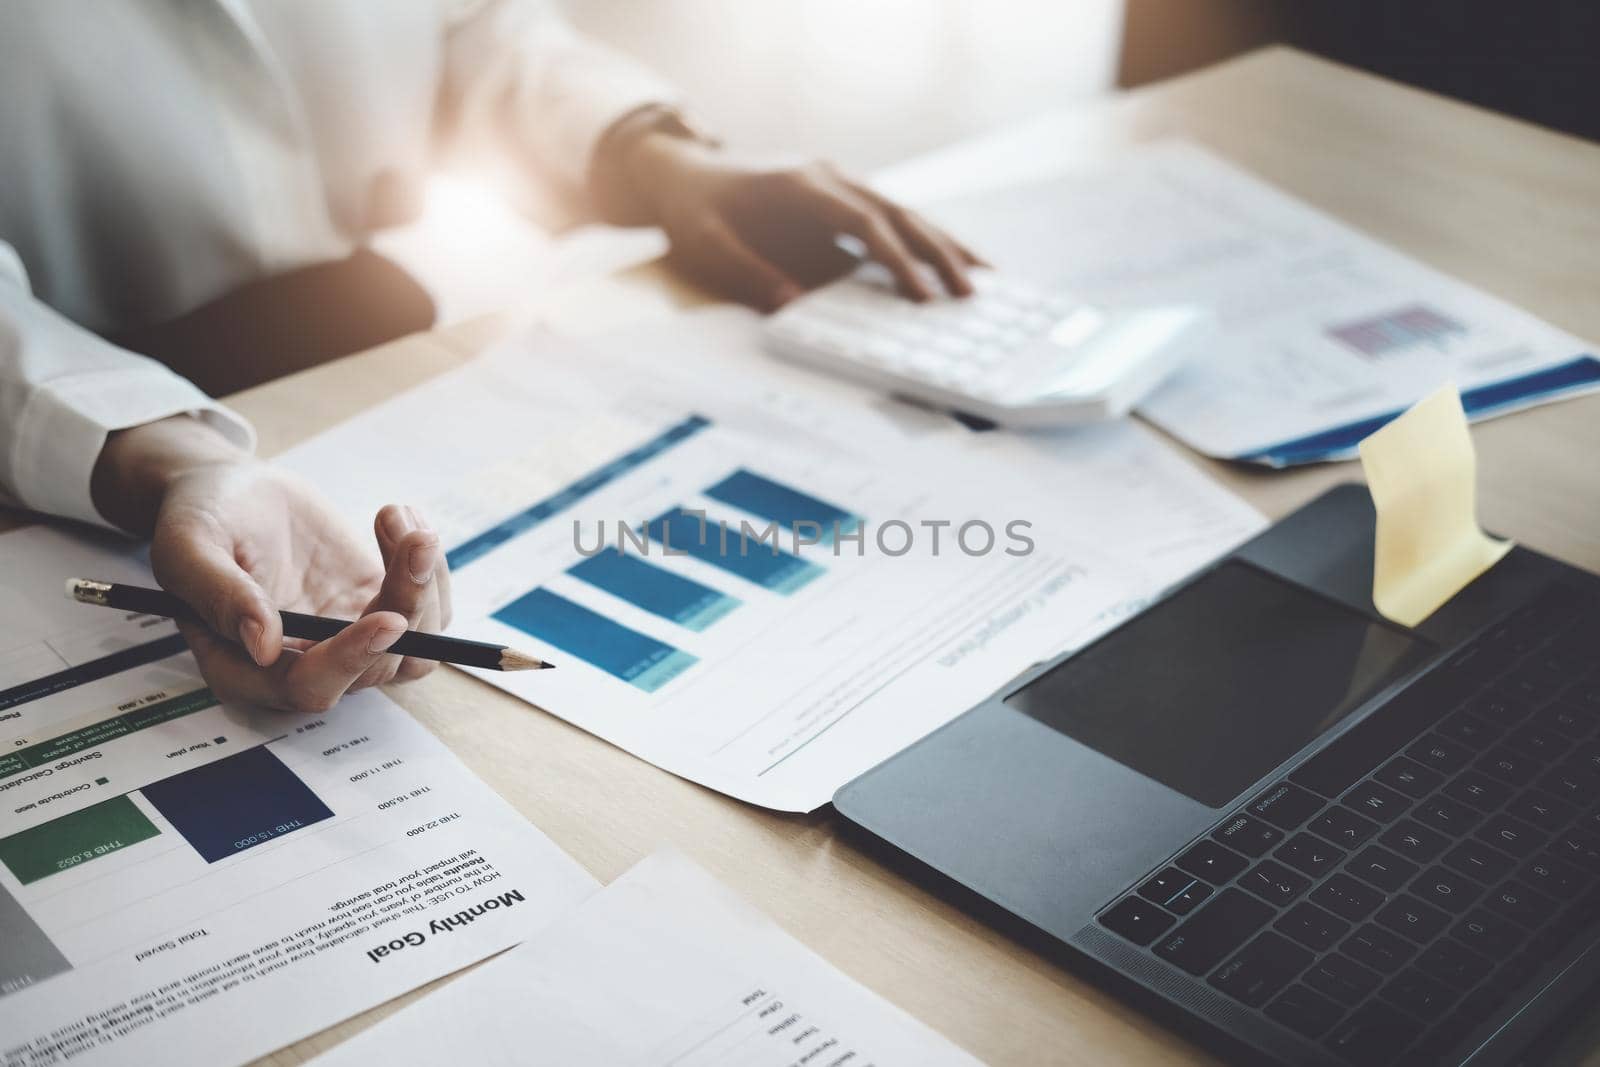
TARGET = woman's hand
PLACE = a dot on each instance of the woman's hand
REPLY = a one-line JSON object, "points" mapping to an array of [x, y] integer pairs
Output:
{"points": [[764, 235], [238, 540]]}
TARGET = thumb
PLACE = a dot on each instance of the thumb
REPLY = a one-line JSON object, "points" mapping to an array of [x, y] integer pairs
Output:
{"points": [[190, 562]]}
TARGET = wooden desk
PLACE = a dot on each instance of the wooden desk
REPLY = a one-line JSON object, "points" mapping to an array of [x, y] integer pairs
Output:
{"points": [[1511, 208]]}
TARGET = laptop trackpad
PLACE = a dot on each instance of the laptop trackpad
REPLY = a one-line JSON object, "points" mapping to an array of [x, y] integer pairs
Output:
{"points": [[1213, 687]]}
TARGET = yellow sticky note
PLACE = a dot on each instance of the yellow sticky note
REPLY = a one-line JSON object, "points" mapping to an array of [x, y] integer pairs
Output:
{"points": [[1423, 474]]}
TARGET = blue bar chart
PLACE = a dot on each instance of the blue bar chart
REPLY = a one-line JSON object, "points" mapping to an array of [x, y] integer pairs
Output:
{"points": [[772, 500], [636, 658], [660, 592], [765, 565]]}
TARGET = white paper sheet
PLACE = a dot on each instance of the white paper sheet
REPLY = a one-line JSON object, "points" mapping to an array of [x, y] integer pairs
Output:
{"points": [[664, 967], [186, 882], [1320, 328], [775, 678]]}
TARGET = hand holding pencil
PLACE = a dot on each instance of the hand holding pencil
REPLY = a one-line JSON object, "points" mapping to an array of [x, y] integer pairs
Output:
{"points": [[237, 541]]}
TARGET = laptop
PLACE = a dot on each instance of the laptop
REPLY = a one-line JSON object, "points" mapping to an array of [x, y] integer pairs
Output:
{"points": [[1285, 825]]}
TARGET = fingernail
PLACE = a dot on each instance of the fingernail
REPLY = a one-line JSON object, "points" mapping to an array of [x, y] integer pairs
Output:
{"points": [[397, 523], [383, 640], [422, 560], [251, 632], [417, 521]]}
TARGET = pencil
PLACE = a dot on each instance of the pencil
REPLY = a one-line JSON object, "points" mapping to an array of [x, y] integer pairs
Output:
{"points": [[311, 627]]}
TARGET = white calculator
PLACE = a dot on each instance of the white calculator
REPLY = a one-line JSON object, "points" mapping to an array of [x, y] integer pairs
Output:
{"points": [[1012, 352]]}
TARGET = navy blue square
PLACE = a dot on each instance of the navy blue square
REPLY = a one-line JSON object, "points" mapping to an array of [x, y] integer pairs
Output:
{"points": [[236, 803]]}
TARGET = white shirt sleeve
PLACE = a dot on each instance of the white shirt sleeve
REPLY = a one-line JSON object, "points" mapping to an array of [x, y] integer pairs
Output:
{"points": [[515, 68], [63, 389]]}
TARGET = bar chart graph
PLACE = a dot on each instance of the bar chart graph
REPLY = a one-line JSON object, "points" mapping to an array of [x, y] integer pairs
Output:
{"points": [[233, 804], [638, 659], [781, 504], [673, 597], [769, 567]]}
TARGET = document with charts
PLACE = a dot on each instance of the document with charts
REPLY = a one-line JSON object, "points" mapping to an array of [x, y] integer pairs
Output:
{"points": [[664, 968], [1322, 335], [189, 882], [608, 513]]}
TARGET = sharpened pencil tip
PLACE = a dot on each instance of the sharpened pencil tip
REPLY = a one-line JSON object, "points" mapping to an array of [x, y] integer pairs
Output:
{"points": [[512, 660]]}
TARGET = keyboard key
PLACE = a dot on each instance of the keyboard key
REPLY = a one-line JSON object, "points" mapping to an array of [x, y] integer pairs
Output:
{"points": [[1285, 806], [1558, 879], [1376, 801], [1306, 1013], [1419, 994], [1274, 883], [1511, 835], [1374, 1033], [1454, 964], [1347, 898], [1578, 848], [1438, 754], [1250, 836], [1165, 885], [1487, 933], [1312, 927], [1478, 861], [1521, 905], [1478, 790], [1342, 978], [1410, 917], [1529, 683], [1572, 784], [1413, 841], [1218, 928], [1212, 863], [1189, 899], [1137, 920], [1566, 719], [1259, 972], [1509, 766], [1501, 709], [1308, 855], [1541, 810], [1343, 827], [1446, 889], [1470, 730], [1534, 740], [1446, 815], [1378, 948], [1382, 868], [1409, 777]]}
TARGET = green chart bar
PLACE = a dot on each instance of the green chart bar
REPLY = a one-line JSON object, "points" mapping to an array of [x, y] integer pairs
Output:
{"points": [[64, 843], [97, 734]]}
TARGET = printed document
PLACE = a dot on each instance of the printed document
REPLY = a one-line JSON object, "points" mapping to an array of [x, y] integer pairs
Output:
{"points": [[189, 882], [665, 968], [605, 508], [1322, 333]]}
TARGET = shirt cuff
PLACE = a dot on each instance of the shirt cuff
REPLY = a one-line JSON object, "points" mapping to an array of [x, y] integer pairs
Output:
{"points": [[64, 426]]}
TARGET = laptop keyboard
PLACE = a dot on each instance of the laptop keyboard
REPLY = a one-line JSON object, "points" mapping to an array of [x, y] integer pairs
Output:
{"points": [[1410, 878]]}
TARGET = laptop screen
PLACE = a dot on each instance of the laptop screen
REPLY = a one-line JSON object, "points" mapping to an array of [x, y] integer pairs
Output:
{"points": [[1211, 688]]}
